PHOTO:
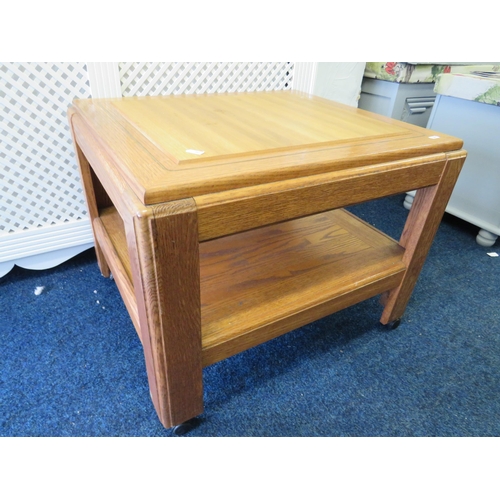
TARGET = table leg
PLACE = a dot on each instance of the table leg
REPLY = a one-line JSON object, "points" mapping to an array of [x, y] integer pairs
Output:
{"points": [[96, 198], [421, 226], [163, 247]]}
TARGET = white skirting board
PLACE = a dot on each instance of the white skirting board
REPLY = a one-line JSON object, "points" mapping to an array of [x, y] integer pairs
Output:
{"points": [[45, 247]]}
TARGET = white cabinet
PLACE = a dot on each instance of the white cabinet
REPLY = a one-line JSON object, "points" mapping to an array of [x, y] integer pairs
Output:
{"points": [[476, 197], [409, 102]]}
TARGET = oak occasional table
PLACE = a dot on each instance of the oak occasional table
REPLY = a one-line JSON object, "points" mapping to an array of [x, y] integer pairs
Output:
{"points": [[220, 217]]}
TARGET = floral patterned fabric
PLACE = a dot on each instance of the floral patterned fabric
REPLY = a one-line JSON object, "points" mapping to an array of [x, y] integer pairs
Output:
{"points": [[403, 72], [480, 87]]}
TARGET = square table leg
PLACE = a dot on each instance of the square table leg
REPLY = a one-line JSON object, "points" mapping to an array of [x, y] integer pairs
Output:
{"points": [[164, 254], [95, 198], [419, 231]]}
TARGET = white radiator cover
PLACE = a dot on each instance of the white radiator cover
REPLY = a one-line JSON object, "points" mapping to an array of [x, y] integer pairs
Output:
{"points": [[43, 216]]}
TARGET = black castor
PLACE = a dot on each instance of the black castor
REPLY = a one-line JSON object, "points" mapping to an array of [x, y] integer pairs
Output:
{"points": [[185, 427], [394, 324]]}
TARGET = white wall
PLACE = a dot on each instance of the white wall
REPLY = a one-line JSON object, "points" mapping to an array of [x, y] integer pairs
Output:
{"points": [[339, 82]]}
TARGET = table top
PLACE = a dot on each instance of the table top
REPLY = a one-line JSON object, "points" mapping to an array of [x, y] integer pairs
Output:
{"points": [[173, 147]]}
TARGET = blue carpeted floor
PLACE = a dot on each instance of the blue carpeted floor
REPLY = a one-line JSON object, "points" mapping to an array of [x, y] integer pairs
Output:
{"points": [[72, 365]]}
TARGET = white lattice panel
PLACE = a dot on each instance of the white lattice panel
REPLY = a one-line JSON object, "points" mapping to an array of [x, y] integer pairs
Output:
{"points": [[140, 78], [39, 180]]}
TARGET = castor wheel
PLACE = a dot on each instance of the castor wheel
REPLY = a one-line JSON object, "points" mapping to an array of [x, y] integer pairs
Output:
{"points": [[185, 427], [394, 324]]}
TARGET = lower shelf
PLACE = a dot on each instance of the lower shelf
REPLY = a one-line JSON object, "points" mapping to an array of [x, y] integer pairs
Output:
{"points": [[262, 283]]}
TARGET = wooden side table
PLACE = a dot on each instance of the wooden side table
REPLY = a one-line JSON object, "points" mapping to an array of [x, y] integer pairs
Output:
{"points": [[220, 217]]}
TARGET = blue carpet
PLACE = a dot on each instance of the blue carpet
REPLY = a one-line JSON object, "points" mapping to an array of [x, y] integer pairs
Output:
{"points": [[72, 365]]}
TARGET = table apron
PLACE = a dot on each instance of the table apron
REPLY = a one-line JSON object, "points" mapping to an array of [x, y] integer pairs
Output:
{"points": [[237, 210]]}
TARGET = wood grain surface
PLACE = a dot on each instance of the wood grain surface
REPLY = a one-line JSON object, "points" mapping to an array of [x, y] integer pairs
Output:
{"points": [[220, 218], [165, 268], [256, 285], [418, 234], [248, 139], [220, 214], [262, 283]]}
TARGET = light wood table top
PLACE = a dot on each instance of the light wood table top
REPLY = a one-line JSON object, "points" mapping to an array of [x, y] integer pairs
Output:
{"points": [[172, 147]]}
